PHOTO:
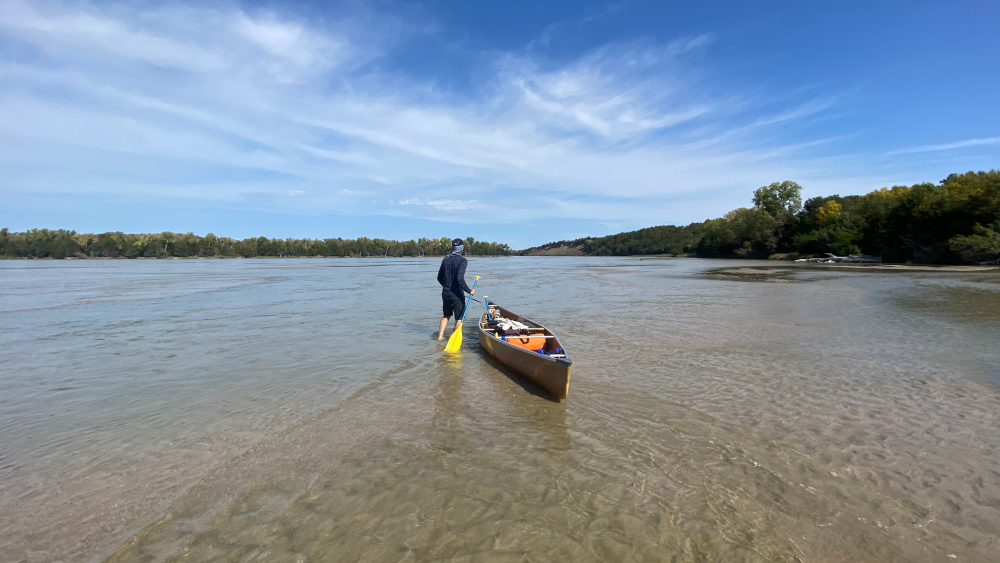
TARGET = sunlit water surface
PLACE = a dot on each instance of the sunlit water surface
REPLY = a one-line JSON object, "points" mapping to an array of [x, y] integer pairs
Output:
{"points": [[300, 410]]}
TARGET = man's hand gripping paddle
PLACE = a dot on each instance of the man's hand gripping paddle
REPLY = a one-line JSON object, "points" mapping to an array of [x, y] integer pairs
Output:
{"points": [[455, 342]]}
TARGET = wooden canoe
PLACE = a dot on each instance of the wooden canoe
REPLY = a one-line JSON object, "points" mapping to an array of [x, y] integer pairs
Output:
{"points": [[520, 354]]}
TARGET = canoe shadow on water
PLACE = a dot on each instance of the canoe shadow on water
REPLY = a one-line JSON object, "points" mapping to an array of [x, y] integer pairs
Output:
{"points": [[529, 386]]}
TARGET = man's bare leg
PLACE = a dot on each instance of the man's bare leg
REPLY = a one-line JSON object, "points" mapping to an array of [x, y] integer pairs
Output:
{"points": [[443, 325]]}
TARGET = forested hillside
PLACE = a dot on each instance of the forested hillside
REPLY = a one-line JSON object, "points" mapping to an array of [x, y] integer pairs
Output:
{"points": [[956, 221], [44, 243], [666, 239]]}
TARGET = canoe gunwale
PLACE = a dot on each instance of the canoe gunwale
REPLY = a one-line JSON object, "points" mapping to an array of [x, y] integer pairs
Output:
{"points": [[563, 361]]}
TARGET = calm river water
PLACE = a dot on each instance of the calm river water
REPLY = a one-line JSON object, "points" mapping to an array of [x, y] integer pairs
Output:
{"points": [[299, 410]]}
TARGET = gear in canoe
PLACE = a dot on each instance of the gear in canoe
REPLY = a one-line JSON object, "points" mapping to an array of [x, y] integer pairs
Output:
{"points": [[527, 347]]}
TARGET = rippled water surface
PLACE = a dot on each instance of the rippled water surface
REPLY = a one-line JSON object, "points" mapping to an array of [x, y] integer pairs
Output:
{"points": [[300, 410]]}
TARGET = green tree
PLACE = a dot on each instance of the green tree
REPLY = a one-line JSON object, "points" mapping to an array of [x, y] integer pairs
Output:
{"points": [[780, 199]]}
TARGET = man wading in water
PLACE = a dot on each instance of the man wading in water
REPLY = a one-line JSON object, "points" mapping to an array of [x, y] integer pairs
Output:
{"points": [[451, 276]]}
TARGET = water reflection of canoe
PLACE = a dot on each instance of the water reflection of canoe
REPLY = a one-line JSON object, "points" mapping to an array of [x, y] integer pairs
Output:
{"points": [[549, 370]]}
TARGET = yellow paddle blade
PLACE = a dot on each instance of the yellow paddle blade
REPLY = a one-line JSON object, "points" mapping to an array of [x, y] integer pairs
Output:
{"points": [[455, 342]]}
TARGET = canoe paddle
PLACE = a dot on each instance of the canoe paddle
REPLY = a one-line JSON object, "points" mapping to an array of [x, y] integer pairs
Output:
{"points": [[455, 341]]}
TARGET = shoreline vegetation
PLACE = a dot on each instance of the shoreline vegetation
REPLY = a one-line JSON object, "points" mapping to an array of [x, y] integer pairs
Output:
{"points": [[953, 222], [63, 244]]}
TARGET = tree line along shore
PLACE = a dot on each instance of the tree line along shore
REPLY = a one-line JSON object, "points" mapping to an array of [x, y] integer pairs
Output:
{"points": [[955, 221], [45, 243]]}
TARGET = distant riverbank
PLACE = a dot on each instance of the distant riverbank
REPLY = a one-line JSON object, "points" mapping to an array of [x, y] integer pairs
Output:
{"points": [[45, 243], [219, 257], [956, 221]]}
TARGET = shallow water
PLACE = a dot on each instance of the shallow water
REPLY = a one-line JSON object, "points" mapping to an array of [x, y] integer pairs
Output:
{"points": [[299, 410]]}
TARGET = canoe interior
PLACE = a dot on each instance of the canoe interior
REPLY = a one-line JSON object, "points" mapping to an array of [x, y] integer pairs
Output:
{"points": [[552, 374]]}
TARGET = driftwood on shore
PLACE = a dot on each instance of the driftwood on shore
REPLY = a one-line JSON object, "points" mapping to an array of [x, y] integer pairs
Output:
{"points": [[852, 259]]}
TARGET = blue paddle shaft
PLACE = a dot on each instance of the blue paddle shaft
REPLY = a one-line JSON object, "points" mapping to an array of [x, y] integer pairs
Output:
{"points": [[467, 302]]}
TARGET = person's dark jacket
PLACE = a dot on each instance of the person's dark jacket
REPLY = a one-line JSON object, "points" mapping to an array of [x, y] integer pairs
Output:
{"points": [[451, 276]]}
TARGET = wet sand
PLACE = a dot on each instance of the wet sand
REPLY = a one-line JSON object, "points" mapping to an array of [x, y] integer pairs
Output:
{"points": [[914, 268], [711, 416]]}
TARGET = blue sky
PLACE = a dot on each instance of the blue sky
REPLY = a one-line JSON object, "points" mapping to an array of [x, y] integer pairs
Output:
{"points": [[522, 122]]}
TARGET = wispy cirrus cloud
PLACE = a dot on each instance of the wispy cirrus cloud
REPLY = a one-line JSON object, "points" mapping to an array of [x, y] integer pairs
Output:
{"points": [[947, 146], [300, 115], [443, 204], [616, 91], [550, 30]]}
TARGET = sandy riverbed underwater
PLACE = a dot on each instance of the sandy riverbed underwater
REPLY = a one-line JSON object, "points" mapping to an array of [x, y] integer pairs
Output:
{"points": [[299, 410]]}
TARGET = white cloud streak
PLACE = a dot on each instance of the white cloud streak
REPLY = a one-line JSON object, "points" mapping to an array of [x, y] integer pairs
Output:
{"points": [[947, 146]]}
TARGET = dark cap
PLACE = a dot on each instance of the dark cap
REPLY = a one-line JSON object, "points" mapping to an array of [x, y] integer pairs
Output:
{"points": [[457, 242]]}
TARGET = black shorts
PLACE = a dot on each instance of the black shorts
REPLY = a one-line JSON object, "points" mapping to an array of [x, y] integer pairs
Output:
{"points": [[452, 304]]}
